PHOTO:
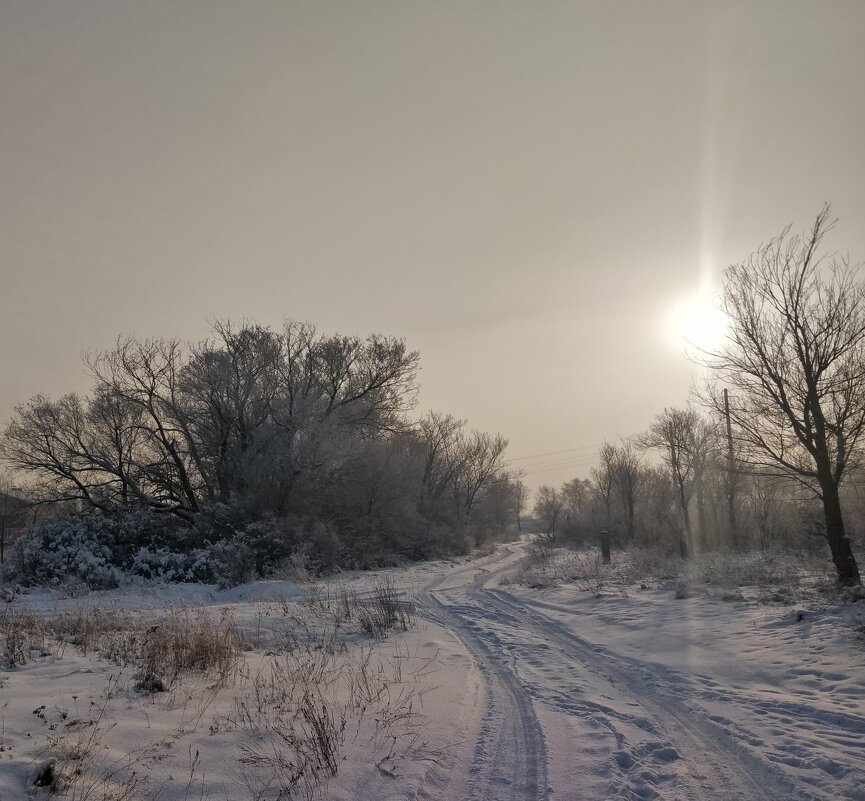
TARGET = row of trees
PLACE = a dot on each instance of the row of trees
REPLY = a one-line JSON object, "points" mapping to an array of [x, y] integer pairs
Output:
{"points": [[270, 425], [672, 485], [784, 415]]}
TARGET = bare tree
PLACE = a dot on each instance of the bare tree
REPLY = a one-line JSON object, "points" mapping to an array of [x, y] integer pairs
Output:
{"points": [[238, 417], [145, 376], [482, 464], [627, 476], [439, 435], [520, 495], [794, 362], [703, 445], [659, 504], [495, 510], [764, 503], [458, 466], [76, 450], [673, 434], [603, 481], [548, 509], [229, 386], [577, 498]]}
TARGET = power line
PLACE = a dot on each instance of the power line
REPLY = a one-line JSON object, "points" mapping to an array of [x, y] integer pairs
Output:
{"points": [[591, 457], [558, 465], [555, 453], [549, 469]]}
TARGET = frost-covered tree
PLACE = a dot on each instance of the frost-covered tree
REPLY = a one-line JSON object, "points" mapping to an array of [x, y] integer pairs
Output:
{"points": [[272, 439]]}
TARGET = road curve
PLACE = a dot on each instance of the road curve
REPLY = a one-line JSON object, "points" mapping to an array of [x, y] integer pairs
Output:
{"points": [[509, 761], [670, 751]]}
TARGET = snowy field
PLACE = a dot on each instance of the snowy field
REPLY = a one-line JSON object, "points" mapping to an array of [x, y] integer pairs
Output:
{"points": [[591, 686]]}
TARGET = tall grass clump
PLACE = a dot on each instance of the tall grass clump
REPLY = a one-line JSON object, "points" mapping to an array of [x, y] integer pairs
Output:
{"points": [[21, 635], [185, 641], [385, 611]]}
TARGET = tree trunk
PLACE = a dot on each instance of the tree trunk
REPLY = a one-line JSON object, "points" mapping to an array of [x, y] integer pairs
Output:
{"points": [[701, 516], [631, 517], [687, 537], [683, 543], [605, 546], [842, 555]]}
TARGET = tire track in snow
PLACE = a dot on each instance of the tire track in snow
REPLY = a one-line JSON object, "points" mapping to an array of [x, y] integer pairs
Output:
{"points": [[722, 767], [509, 761]]}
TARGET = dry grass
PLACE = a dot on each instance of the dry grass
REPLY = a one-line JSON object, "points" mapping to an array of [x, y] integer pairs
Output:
{"points": [[299, 709], [111, 634], [340, 611], [311, 695], [79, 766], [384, 612], [536, 568], [766, 576], [178, 642], [22, 635], [184, 642]]}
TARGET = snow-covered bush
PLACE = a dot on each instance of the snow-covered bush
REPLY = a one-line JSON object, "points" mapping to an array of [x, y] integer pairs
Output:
{"points": [[160, 564], [53, 552], [21, 634], [253, 550], [129, 529], [226, 543], [95, 550], [234, 562]]}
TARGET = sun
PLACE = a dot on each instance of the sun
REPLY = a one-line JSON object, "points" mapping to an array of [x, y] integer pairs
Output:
{"points": [[696, 321]]}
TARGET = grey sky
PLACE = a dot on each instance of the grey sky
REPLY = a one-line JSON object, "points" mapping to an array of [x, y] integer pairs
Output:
{"points": [[521, 190]]}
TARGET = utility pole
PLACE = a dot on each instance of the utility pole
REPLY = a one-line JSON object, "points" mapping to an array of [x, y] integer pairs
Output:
{"points": [[3, 491], [3, 541], [731, 484]]}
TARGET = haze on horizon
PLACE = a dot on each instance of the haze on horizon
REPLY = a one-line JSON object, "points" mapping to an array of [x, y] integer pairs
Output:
{"points": [[525, 193]]}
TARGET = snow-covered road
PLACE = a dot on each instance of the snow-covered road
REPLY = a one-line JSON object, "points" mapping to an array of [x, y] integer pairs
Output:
{"points": [[569, 716], [509, 760]]}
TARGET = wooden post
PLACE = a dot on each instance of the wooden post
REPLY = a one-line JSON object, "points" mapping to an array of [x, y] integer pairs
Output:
{"points": [[605, 546]]}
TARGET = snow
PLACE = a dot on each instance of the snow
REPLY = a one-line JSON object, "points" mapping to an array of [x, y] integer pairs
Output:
{"points": [[555, 693], [773, 697]]}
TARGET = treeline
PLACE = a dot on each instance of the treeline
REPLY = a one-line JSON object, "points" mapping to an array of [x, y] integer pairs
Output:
{"points": [[254, 448], [674, 486]]}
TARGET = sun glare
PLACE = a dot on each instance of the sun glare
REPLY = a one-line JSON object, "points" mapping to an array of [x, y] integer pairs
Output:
{"points": [[695, 321]]}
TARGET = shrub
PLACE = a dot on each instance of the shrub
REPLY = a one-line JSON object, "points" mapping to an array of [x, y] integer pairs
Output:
{"points": [[51, 552], [160, 564]]}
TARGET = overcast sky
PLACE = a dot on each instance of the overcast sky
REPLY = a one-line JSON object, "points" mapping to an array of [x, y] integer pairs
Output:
{"points": [[522, 190]]}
